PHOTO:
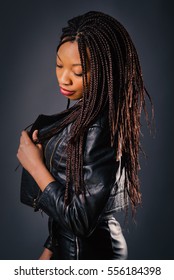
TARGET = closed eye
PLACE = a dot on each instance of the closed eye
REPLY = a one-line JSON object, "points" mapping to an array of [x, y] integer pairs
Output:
{"points": [[78, 75], [58, 65]]}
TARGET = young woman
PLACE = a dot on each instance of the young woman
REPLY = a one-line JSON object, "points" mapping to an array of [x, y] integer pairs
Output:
{"points": [[85, 160]]}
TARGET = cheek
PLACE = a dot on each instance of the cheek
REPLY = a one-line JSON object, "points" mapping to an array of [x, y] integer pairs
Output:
{"points": [[79, 85]]}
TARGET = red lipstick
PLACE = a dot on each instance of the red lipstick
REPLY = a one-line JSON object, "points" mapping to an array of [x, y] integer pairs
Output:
{"points": [[66, 92]]}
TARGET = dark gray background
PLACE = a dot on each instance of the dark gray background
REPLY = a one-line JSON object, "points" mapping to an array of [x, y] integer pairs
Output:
{"points": [[29, 36]]}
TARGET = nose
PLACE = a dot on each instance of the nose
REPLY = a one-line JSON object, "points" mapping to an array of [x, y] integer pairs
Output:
{"points": [[64, 78]]}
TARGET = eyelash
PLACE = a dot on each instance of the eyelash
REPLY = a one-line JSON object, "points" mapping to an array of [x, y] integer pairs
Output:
{"points": [[78, 75], [60, 67]]}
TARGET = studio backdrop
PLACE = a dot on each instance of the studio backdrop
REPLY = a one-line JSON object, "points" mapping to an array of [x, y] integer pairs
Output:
{"points": [[30, 32]]}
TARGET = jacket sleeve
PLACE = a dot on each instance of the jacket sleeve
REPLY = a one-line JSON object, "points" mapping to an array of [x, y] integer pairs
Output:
{"points": [[51, 242], [99, 167], [48, 243]]}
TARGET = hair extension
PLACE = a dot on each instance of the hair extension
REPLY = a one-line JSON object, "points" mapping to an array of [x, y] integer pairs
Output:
{"points": [[116, 84]]}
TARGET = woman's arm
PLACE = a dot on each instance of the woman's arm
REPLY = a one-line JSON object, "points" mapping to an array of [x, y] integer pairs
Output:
{"points": [[99, 168]]}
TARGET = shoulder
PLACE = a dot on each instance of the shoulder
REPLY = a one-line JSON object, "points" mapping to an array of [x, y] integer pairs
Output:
{"points": [[99, 128], [100, 125], [101, 121], [97, 137]]}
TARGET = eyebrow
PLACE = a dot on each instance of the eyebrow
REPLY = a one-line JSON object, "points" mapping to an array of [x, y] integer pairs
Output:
{"points": [[75, 64]]}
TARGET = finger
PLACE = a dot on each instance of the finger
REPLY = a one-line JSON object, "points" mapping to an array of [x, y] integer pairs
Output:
{"points": [[35, 135], [35, 139], [25, 137]]}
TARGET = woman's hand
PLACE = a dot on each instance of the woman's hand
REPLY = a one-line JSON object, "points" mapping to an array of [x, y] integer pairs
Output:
{"points": [[29, 154]]}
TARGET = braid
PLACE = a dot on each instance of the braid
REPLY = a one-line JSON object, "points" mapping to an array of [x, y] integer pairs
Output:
{"points": [[116, 84]]}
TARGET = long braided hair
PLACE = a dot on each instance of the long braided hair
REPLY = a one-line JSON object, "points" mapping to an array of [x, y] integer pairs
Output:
{"points": [[116, 85]]}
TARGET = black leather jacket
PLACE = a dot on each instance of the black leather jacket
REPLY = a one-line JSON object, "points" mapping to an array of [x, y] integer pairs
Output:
{"points": [[85, 216]]}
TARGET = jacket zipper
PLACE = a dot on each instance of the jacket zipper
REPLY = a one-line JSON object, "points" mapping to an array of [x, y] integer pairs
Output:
{"points": [[51, 158], [46, 148], [55, 145], [77, 248]]}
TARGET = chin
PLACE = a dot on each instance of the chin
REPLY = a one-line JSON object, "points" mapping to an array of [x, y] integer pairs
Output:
{"points": [[74, 98]]}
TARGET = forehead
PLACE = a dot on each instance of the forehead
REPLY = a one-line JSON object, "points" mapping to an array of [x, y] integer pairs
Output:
{"points": [[69, 51]]}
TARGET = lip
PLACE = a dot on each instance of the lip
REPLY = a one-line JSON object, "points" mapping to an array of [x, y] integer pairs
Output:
{"points": [[66, 92]]}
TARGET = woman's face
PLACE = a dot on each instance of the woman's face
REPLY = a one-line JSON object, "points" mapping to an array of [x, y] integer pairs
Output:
{"points": [[69, 71]]}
